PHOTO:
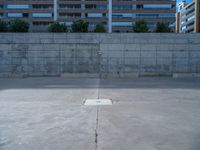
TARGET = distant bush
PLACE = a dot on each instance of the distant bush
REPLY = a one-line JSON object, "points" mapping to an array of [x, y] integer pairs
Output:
{"points": [[161, 27], [57, 27], [80, 26], [140, 26], [3, 26], [100, 28], [18, 26]]}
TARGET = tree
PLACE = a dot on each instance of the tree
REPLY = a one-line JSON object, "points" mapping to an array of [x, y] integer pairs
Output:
{"points": [[100, 28], [161, 27], [57, 27], [80, 26], [3, 26], [19, 26], [140, 26]]}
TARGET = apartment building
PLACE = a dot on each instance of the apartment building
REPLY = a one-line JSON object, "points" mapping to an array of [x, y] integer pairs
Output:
{"points": [[187, 18], [116, 15]]}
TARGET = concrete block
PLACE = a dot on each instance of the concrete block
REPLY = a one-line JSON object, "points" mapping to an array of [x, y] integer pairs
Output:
{"points": [[64, 47], [131, 68], [181, 41], [5, 68], [129, 75], [47, 40], [194, 47], [164, 54], [67, 53], [126, 40], [145, 40], [116, 53], [52, 53], [5, 60], [195, 68], [11, 75], [148, 54], [59, 40], [51, 61], [132, 61], [180, 47], [132, 47], [181, 68], [148, 47], [180, 53], [164, 61], [5, 47], [110, 75], [131, 54], [80, 75], [115, 47], [36, 61], [103, 47], [186, 75], [20, 53], [36, 47], [148, 61], [193, 40], [153, 74], [180, 61], [51, 47], [34, 53], [162, 47], [194, 54], [167, 41]]}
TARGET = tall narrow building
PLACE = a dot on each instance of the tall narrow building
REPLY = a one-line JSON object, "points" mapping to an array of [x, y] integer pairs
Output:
{"points": [[116, 15], [188, 16]]}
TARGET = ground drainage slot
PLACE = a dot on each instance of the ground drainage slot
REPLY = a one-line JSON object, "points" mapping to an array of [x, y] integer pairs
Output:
{"points": [[97, 102]]}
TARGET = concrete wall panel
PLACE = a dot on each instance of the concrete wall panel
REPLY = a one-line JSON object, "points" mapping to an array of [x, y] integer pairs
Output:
{"points": [[50, 54]]}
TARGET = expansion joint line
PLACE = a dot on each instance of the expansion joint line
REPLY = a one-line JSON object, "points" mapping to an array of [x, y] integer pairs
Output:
{"points": [[97, 117], [96, 128], [98, 89]]}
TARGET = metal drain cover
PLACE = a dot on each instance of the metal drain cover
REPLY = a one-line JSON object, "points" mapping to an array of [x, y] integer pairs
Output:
{"points": [[95, 102]]}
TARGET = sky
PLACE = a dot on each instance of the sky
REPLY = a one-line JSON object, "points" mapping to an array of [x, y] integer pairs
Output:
{"points": [[179, 1], [182, 0]]}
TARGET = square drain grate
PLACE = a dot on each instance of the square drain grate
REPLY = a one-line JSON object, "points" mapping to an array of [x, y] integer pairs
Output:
{"points": [[96, 102]]}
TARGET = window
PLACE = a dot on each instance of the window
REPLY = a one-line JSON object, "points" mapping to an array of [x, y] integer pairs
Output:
{"points": [[95, 15], [119, 24], [19, 6], [157, 6], [42, 15], [15, 15]]}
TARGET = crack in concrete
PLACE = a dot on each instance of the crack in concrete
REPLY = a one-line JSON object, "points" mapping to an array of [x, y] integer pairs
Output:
{"points": [[97, 117], [96, 128]]}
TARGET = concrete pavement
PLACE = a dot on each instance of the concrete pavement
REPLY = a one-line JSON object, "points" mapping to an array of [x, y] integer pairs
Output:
{"points": [[147, 114]]}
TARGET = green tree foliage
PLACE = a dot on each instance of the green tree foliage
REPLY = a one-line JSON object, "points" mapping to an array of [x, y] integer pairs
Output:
{"points": [[80, 26], [57, 27], [140, 26], [100, 28], [3, 26], [161, 27], [19, 26]]}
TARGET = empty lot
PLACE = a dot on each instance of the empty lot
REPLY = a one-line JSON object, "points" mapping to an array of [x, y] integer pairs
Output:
{"points": [[147, 114]]}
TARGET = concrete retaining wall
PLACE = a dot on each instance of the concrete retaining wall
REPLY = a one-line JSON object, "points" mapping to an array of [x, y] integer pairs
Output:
{"points": [[45, 54]]}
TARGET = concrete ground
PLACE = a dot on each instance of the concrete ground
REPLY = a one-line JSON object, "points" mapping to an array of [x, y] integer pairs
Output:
{"points": [[147, 114]]}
